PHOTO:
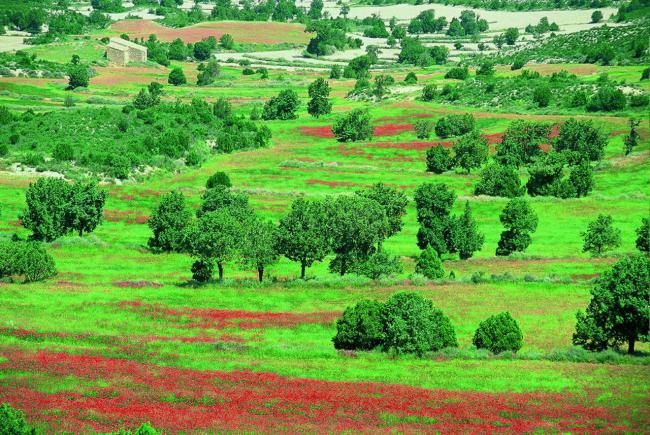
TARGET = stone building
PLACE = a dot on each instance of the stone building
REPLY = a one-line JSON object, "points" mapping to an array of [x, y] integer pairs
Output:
{"points": [[121, 52]]}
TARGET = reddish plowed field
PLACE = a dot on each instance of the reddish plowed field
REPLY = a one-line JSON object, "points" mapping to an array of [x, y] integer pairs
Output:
{"points": [[248, 32]]}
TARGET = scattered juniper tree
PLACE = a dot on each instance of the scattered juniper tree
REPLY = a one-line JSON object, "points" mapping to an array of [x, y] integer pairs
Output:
{"points": [[618, 312], [412, 325], [176, 77], [357, 225], [499, 180], [601, 236], [643, 236], [499, 333], [434, 203], [360, 327], [219, 178], [283, 106], [169, 222], [55, 208], [519, 221], [467, 238], [354, 126], [439, 159], [259, 246], [393, 202], [303, 233], [215, 238], [319, 104], [631, 140], [471, 151], [429, 264]]}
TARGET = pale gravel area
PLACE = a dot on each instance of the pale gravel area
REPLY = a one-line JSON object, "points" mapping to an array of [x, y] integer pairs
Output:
{"points": [[498, 20], [13, 41]]}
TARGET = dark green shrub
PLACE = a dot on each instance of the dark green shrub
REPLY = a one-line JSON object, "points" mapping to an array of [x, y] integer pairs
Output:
{"points": [[429, 92], [542, 96], [458, 73], [353, 127], [27, 259], [518, 64], [498, 333], [169, 222], [499, 180], [360, 327], [639, 100], [63, 152], [410, 78], [645, 75], [607, 99], [601, 236], [643, 236], [176, 77], [378, 265], [454, 125], [519, 220], [412, 325], [618, 311], [12, 421], [283, 106], [439, 159], [429, 264], [202, 271], [423, 129], [219, 178]]}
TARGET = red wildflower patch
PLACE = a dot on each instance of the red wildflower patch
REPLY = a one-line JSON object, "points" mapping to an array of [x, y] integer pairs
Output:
{"points": [[392, 129], [410, 145], [30, 335], [177, 399], [137, 284], [380, 130], [128, 216], [219, 319], [325, 131], [331, 183], [404, 117], [584, 276]]}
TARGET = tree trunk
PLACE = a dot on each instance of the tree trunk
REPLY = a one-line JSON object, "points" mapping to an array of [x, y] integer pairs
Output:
{"points": [[630, 345], [303, 266], [343, 266], [260, 273], [81, 232], [220, 267]]}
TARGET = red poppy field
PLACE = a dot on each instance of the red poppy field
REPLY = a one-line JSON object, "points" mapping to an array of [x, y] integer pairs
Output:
{"points": [[176, 399]]}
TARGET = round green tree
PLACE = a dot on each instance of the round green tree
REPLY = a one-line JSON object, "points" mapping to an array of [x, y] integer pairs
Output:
{"points": [[412, 325], [619, 310], [429, 264], [499, 333], [360, 327]]}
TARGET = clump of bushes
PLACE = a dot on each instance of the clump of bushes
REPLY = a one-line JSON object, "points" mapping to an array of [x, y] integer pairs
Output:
{"points": [[406, 323], [12, 421], [27, 259], [454, 125], [498, 333]]}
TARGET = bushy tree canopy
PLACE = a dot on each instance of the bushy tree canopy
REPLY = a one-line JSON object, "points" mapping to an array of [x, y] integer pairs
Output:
{"points": [[169, 222], [498, 333], [619, 309], [354, 126], [412, 325]]}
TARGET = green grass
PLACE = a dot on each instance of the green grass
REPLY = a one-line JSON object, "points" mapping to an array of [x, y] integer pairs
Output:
{"points": [[542, 289]]}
